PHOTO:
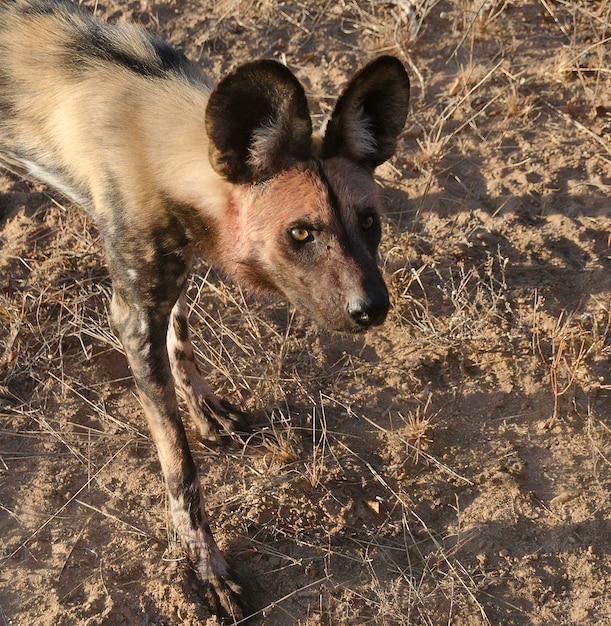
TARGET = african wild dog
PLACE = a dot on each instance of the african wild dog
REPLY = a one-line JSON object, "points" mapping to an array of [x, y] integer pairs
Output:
{"points": [[168, 167]]}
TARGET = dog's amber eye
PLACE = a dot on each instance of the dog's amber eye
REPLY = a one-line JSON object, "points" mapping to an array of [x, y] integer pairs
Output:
{"points": [[300, 234], [367, 222]]}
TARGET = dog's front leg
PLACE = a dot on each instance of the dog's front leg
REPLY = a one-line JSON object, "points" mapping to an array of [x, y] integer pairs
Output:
{"points": [[143, 331], [211, 415]]}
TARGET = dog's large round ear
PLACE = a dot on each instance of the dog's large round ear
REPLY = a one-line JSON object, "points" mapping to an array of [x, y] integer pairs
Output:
{"points": [[258, 122], [370, 113]]}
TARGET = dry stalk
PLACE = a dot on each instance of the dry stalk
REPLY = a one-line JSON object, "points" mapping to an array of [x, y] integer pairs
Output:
{"points": [[562, 369], [315, 468], [282, 441], [418, 425]]}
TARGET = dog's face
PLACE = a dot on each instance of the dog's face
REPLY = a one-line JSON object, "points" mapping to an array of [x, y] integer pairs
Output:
{"points": [[304, 222], [312, 233]]}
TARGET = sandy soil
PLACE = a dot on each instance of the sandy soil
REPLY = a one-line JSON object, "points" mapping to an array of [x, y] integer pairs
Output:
{"points": [[453, 467]]}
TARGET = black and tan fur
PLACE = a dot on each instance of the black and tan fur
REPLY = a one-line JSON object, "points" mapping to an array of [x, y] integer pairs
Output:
{"points": [[169, 167]]}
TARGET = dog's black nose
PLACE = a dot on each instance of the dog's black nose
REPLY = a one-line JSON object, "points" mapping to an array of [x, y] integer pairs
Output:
{"points": [[371, 311]]}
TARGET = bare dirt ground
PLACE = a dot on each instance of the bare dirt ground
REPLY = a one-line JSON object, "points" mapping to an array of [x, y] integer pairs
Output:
{"points": [[453, 467]]}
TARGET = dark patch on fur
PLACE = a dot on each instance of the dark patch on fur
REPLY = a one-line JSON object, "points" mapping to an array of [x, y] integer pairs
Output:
{"points": [[181, 487], [169, 58], [97, 43], [44, 8], [180, 355], [160, 255], [333, 199], [181, 328]]}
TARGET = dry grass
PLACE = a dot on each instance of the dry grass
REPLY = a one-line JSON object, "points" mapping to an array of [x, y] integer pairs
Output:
{"points": [[339, 494]]}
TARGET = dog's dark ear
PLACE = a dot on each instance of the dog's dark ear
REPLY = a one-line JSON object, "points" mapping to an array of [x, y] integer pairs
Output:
{"points": [[258, 122], [370, 114]]}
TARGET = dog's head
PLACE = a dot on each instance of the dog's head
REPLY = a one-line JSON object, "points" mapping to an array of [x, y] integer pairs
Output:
{"points": [[305, 212]]}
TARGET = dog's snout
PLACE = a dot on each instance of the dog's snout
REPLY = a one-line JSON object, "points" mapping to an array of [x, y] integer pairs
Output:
{"points": [[370, 311]]}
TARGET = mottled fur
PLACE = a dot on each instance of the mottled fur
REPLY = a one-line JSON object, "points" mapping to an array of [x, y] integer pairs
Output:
{"points": [[170, 167]]}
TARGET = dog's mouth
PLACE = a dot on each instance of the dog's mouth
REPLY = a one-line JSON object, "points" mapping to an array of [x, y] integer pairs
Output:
{"points": [[354, 312], [352, 320]]}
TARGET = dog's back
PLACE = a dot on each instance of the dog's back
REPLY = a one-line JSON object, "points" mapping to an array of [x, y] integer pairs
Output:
{"points": [[79, 98]]}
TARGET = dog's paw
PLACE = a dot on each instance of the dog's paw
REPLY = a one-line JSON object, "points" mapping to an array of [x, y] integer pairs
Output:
{"points": [[226, 598], [220, 421]]}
